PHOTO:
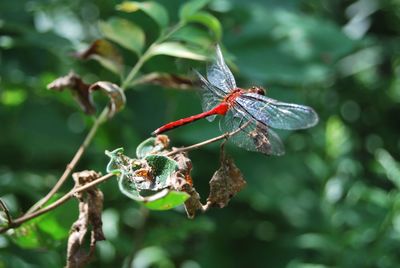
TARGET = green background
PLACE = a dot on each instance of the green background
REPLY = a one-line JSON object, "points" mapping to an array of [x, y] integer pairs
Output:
{"points": [[331, 201]]}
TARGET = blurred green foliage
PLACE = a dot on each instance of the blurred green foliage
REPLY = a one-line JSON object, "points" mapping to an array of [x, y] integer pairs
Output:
{"points": [[333, 199]]}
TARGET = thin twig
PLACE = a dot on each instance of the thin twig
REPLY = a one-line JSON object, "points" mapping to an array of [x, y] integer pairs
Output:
{"points": [[57, 203], [99, 120], [203, 143], [6, 211]]}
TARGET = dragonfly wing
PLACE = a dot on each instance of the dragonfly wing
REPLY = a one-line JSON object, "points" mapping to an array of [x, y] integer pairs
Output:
{"points": [[277, 114], [210, 95], [253, 136], [219, 74]]}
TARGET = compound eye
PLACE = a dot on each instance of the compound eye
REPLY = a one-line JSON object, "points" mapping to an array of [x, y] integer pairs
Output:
{"points": [[260, 91]]}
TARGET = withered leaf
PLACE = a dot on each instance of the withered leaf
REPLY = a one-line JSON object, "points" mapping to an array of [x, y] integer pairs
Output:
{"points": [[90, 208], [83, 92], [114, 92], [79, 89], [167, 80], [193, 203], [105, 53], [225, 183]]}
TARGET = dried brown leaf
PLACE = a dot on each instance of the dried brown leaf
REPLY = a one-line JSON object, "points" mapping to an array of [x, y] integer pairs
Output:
{"points": [[79, 89], [225, 183], [167, 80], [104, 52], [193, 203], [114, 92], [90, 208], [83, 92]]}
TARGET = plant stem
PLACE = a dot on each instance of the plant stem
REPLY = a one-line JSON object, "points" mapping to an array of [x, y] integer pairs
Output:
{"points": [[99, 120], [146, 55], [56, 204]]}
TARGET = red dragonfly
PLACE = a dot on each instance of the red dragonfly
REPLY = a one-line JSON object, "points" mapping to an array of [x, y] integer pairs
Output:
{"points": [[249, 112]]}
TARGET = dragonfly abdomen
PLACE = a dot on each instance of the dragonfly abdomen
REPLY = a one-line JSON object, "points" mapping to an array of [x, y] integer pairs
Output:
{"points": [[220, 109]]}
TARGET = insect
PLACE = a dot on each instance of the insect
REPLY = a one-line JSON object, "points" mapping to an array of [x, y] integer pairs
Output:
{"points": [[248, 113]]}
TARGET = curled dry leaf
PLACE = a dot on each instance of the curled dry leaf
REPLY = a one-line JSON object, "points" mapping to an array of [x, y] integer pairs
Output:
{"points": [[167, 80], [225, 183], [114, 92], [83, 92], [105, 53], [193, 203], [79, 89], [181, 180], [90, 208]]}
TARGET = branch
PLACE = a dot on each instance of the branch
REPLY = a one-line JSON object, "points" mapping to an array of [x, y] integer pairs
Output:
{"points": [[99, 120], [56, 204], [203, 143]]}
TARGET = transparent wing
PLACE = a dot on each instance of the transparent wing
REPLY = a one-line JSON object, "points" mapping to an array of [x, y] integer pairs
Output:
{"points": [[253, 136], [277, 114], [210, 95], [219, 74]]}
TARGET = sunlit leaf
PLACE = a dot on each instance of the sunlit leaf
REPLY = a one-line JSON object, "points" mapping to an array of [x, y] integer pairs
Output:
{"points": [[47, 229], [191, 7], [128, 188], [337, 137], [113, 165], [105, 53], [390, 166], [13, 97], [153, 9], [166, 199], [28, 236], [207, 20], [152, 145], [178, 50], [125, 33], [115, 94], [152, 257]]}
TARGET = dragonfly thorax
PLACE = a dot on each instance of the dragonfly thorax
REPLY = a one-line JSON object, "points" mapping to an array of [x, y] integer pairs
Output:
{"points": [[231, 97]]}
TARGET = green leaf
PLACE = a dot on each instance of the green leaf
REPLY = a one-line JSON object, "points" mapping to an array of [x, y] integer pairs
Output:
{"points": [[207, 20], [337, 138], [154, 10], [145, 147], [162, 168], [48, 229], [390, 166], [191, 7], [128, 188], [27, 236], [151, 146], [125, 33], [166, 199], [192, 35], [114, 166], [178, 50]]}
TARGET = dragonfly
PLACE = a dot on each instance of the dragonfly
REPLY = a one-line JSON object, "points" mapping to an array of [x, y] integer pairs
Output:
{"points": [[246, 112]]}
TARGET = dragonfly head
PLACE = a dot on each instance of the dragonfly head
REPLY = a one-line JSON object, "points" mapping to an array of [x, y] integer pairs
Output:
{"points": [[257, 90]]}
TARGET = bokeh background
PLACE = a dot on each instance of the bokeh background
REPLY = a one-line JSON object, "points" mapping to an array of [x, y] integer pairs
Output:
{"points": [[332, 201]]}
